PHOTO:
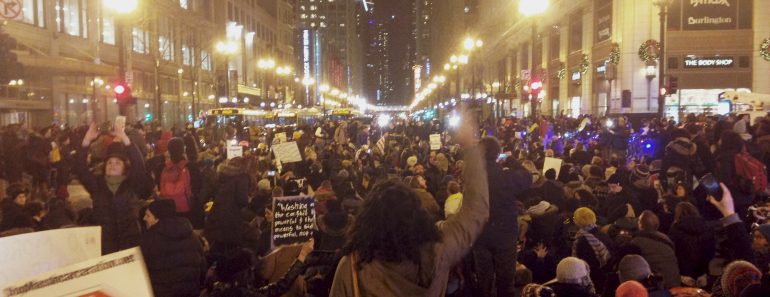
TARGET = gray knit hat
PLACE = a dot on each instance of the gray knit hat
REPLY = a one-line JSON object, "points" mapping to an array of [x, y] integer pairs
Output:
{"points": [[633, 267]]}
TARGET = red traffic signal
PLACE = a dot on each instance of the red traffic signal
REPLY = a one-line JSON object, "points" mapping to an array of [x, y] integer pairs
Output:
{"points": [[535, 86], [123, 94]]}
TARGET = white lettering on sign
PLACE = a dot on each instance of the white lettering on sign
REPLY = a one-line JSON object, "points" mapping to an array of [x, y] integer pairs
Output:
{"points": [[695, 3], [576, 75], [709, 20], [719, 62]]}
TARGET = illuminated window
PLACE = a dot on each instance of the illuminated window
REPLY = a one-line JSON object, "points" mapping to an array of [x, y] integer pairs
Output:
{"points": [[166, 39], [108, 30], [187, 56], [184, 4], [140, 40], [72, 17], [33, 12], [205, 60]]}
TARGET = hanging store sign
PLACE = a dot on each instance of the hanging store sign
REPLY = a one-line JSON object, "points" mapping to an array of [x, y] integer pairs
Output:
{"points": [[603, 20], [709, 62], [709, 14], [576, 76]]}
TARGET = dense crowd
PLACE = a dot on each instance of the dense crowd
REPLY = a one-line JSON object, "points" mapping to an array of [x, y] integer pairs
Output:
{"points": [[654, 208]]}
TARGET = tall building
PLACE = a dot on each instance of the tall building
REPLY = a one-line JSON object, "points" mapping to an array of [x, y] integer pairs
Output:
{"points": [[331, 49]]}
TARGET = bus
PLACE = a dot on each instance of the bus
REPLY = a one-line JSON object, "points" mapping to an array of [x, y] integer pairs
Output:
{"points": [[238, 117], [343, 114]]}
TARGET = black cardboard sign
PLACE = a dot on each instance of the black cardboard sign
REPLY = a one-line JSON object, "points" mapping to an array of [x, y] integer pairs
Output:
{"points": [[294, 219]]}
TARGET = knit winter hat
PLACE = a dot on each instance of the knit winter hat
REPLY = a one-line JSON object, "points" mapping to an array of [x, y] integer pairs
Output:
{"points": [[163, 208], [572, 270], [737, 276], [764, 229], [263, 185], [614, 179], [633, 268], [411, 161], [631, 289], [535, 290], [584, 216]]}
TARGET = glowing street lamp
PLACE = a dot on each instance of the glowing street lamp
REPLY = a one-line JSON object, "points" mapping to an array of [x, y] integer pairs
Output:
{"points": [[226, 47], [532, 7], [470, 43], [122, 6], [324, 88]]}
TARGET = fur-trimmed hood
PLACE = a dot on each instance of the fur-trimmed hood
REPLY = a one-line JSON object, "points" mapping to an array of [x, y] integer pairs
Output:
{"points": [[682, 146]]}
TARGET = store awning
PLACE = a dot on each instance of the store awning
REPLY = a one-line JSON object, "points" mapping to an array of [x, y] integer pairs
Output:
{"points": [[63, 66]]}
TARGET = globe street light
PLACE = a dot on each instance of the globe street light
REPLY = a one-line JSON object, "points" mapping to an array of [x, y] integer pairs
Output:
{"points": [[122, 6]]}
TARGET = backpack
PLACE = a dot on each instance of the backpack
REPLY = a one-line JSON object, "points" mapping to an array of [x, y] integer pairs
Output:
{"points": [[175, 184], [750, 173]]}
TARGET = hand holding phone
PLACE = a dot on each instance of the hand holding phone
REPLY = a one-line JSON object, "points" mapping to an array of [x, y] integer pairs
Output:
{"points": [[711, 185]]}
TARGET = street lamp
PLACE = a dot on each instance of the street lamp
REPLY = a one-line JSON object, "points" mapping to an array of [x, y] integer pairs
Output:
{"points": [[650, 72], [532, 8], [121, 8], [470, 43], [663, 4], [226, 48], [265, 65]]}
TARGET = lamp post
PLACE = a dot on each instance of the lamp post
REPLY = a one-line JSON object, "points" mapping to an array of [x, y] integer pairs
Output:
{"points": [[265, 66], [308, 81], [226, 49], [650, 71], [663, 4], [531, 8], [122, 9]]}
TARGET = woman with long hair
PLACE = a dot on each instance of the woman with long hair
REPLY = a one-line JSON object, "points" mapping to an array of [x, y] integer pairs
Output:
{"points": [[693, 239], [395, 249]]}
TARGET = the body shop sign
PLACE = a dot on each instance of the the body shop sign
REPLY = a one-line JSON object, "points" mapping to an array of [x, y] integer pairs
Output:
{"points": [[709, 62], [709, 14]]}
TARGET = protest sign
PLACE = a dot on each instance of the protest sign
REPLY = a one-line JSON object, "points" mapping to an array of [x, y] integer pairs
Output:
{"points": [[293, 219], [435, 142], [30, 254], [116, 275], [287, 152], [552, 163], [234, 151]]}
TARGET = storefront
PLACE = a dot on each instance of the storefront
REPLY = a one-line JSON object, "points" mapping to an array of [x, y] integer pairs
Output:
{"points": [[709, 50]]}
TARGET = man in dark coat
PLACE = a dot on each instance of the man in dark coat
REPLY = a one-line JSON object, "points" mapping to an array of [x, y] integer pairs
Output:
{"points": [[173, 254], [495, 250], [657, 249]]}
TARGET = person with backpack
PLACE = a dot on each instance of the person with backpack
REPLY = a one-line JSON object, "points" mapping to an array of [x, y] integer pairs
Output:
{"points": [[743, 174], [175, 178]]}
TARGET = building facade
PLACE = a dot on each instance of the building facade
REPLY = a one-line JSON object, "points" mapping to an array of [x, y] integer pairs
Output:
{"points": [[70, 57], [589, 55]]}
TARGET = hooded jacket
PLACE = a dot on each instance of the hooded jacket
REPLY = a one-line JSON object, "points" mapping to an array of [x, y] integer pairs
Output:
{"points": [[695, 245], [174, 258], [659, 252], [224, 224]]}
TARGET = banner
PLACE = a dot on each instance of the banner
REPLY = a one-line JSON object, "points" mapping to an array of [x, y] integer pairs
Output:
{"points": [[710, 14], [30, 254], [293, 219], [234, 150], [287, 152], [115, 275], [435, 142], [552, 163], [603, 17]]}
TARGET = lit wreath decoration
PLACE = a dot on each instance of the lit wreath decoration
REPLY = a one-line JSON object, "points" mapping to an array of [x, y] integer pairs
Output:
{"points": [[584, 65], [615, 54], [649, 51], [562, 72], [764, 49]]}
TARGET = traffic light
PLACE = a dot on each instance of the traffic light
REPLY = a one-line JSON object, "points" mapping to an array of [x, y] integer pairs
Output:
{"points": [[535, 86], [673, 85], [123, 94]]}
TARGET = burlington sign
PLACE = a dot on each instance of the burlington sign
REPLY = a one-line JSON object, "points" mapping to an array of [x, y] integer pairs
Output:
{"points": [[709, 14]]}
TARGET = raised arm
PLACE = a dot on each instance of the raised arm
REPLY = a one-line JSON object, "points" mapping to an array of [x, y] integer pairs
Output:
{"points": [[84, 174], [459, 232]]}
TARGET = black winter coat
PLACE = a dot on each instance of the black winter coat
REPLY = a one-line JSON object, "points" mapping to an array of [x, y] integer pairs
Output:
{"points": [[174, 258], [117, 213], [224, 224], [695, 245], [504, 186]]}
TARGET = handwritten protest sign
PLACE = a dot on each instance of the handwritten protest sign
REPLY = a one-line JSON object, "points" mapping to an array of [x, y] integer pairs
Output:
{"points": [[280, 137], [435, 142], [118, 274], [293, 219], [234, 151], [30, 254], [287, 152], [552, 163]]}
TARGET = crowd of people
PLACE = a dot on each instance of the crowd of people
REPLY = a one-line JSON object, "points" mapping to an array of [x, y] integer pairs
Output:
{"points": [[656, 208]]}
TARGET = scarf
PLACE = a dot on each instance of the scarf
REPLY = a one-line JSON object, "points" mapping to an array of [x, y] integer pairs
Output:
{"points": [[600, 250], [114, 182]]}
